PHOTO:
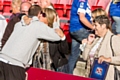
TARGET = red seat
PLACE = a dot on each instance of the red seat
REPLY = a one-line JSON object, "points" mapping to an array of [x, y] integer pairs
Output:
{"points": [[95, 7], [7, 2], [1, 6], [40, 74], [6, 6], [68, 10], [65, 29], [60, 9]]}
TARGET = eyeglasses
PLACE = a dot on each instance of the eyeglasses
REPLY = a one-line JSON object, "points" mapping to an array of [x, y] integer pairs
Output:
{"points": [[43, 14]]}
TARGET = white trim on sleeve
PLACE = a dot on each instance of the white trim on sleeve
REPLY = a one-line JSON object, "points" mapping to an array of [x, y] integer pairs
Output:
{"points": [[81, 10]]}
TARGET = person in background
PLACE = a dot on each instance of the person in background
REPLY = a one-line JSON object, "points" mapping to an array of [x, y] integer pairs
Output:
{"points": [[99, 46], [80, 25], [15, 8], [18, 51], [24, 7], [3, 24], [114, 10]]}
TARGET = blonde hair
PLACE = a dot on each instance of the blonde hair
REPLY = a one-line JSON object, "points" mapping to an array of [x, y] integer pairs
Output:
{"points": [[16, 3], [98, 12], [50, 15]]}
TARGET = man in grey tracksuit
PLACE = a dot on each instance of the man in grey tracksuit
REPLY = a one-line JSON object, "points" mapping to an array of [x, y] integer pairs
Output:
{"points": [[22, 44]]}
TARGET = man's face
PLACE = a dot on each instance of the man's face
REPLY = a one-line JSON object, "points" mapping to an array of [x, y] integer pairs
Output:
{"points": [[25, 8]]}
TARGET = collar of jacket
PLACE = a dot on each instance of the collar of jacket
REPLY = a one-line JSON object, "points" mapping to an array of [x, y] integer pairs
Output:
{"points": [[34, 18]]}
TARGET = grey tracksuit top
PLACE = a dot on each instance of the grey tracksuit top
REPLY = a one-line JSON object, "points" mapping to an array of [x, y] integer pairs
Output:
{"points": [[23, 42]]}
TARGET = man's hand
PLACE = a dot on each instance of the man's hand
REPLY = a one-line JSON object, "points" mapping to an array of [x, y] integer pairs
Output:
{"points": [[26, 20], [59, 32]]}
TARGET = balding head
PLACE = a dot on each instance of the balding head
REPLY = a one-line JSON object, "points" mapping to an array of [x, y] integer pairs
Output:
{"points": [[25, 7]]}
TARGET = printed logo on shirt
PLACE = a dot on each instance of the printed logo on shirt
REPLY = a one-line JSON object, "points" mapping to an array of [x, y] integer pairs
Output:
{"points": [[81, 4], [82, 0]]}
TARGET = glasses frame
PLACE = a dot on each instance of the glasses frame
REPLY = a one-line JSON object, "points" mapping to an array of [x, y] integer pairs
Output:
{"points": [[43, 14]]}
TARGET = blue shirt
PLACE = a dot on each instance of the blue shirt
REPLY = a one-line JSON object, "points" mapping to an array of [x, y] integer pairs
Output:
{"points": [[82, 7], [115, 9]]}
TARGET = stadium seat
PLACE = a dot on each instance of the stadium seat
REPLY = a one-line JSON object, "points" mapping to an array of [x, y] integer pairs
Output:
{"points": [[1, 6], [40, 74], [6, 6], [65, 29], [95, 7], [60, 9], [68, 10]]}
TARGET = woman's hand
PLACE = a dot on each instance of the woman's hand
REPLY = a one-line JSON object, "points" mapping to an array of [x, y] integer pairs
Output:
{"points": [[26, 19], [102, 58], [91, 38], [59, 32]]}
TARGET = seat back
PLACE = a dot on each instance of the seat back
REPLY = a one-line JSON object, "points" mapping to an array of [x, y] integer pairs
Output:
{"points": [[6, 6], [59, 9], [40, 74]]}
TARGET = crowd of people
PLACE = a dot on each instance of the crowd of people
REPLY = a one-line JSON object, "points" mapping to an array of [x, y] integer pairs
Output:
{"points": [[33, 37]]}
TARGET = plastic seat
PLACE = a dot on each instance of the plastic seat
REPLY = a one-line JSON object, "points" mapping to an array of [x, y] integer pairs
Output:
{"points": [[1, 6], [95, 7], [68, 10], [60, 9], [65, 29], [6, 6]]}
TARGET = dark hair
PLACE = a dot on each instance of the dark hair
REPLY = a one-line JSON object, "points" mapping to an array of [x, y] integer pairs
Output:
{"points": [[102, 19], [34, 10]]}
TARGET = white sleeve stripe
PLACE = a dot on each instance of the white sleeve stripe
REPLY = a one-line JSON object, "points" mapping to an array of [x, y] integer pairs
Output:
{"points": [[81, 10]]}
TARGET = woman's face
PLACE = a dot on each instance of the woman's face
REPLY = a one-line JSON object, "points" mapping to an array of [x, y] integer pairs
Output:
{"points": [[43, 18], [98, 29]]}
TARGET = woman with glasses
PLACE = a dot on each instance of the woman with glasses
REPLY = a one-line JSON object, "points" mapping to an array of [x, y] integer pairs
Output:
{"points": [[52, 53]]}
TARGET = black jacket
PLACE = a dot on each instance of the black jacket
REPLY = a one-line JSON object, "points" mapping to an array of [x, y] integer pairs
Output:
{"points": [[57, 51]]}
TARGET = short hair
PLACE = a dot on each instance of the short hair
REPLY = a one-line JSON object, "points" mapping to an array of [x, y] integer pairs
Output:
{"points": [[102, 19], [34, 10]]}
